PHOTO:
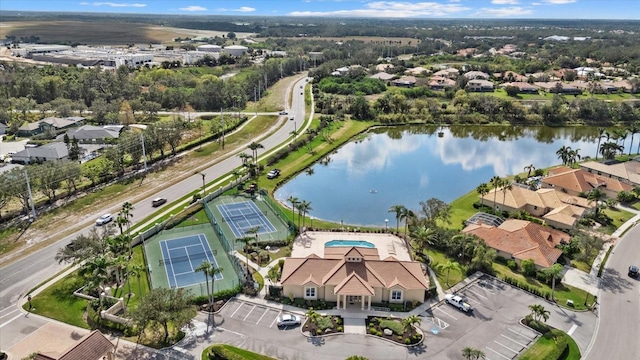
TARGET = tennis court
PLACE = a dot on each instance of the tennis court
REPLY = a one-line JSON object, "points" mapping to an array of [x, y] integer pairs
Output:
{"points": [[244, 216], [181, 257]]}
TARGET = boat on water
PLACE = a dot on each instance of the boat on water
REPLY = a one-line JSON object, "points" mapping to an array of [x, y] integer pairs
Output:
{"points": [[373, 191]]}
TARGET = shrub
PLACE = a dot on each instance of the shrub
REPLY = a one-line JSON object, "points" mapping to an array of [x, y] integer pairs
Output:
{"points": [[407, 341], [339, 329], [393, 325], [528, 267], [511, 264]]}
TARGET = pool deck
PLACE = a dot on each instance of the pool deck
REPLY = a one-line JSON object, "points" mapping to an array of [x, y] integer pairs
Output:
{"points": [[312, 242]]}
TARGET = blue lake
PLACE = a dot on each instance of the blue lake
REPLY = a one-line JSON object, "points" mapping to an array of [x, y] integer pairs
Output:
{"points": [[360, 181]]}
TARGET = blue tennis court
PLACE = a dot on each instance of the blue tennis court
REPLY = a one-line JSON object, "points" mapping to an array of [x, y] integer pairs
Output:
{"points": [[181, 257], [243, 216]]}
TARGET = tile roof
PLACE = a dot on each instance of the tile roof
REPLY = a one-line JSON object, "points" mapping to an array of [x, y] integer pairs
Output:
{"points": [[628, 170], [88, 132], [92, 346], [522, 239], [580, 180], [354, 285]]}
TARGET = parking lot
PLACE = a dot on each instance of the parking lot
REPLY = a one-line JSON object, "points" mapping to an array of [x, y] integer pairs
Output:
{"points": [[492, 327], [254, 314]]}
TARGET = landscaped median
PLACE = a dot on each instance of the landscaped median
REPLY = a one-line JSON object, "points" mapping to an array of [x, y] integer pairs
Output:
{"points": [[399, 331], [319, 325], [228, 352]]}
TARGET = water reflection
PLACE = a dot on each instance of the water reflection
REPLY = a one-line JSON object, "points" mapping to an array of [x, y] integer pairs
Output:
{"points": [[410, 164]]}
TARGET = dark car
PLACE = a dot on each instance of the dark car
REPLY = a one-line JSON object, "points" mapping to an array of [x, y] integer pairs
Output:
{"points": [[273, 174], [634, 271], [158, 201]]}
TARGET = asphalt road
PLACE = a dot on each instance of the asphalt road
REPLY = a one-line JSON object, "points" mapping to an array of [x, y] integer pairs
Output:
{"points": [[19, 277], [617, 334]]}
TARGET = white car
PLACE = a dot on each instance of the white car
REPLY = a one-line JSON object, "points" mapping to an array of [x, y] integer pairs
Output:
{"points": [[459, 302], [104, 219], [288, 320]]}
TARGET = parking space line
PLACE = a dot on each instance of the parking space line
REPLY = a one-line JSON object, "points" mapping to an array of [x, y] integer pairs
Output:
{"points": [[497, 353], [231, 331], [249, 313], [263, 314], [506, 347], [524, 336], [506, 337], [573, 328], [454, 318], [482, 296], [238, 308], [483, 287], [276, 319]]}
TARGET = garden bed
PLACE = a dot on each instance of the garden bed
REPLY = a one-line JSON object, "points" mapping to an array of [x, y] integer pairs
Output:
{"points": [[396, 330], [324, 325]]}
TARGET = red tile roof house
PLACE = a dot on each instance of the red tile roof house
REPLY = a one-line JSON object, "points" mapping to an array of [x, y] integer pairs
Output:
{"points": [[350, 275], [627, 172], [555, 208], [93, 346], [521, 240], [578, 181]]}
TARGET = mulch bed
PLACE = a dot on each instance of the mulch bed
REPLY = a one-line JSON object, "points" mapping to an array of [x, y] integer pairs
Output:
{"points": [[337, 326], [411, 334], [217, 305]]}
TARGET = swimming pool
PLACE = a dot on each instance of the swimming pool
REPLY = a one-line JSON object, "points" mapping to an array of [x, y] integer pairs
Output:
{"points": [[356, 243]]}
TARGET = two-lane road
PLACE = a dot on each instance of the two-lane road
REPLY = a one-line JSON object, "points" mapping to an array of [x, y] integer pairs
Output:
{"points": [[17, 278]]}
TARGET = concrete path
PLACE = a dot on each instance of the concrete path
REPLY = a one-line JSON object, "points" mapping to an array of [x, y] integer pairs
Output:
{"points": [[354, 326]]}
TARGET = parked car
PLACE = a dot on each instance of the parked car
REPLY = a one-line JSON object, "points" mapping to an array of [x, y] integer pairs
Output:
{"points": [[273, 174], [104, 219], [458, 302], [288, 320], [634, 271], [158, 201], [291, 118], [283, 112]]}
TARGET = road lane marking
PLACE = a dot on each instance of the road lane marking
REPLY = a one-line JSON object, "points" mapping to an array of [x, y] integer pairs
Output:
{"points": [[276, 319], [497, 353], [249, 313], [454, 318], [573, 328], [263, 314], [506, 337], [238, 308], [231, 331], [482, 296], [9, 313], [506, 347], [7, 322]]}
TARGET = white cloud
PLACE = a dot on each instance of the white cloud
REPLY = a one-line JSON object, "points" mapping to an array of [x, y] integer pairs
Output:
{"points": [[536, 4], [240, 9], [392, 9], [135, 5], [193, 8], [504, 12], [504, 2], [559, 2]]}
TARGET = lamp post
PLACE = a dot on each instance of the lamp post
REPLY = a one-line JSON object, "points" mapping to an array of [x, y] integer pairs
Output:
{"points": [[386, 225], [203, 182]]}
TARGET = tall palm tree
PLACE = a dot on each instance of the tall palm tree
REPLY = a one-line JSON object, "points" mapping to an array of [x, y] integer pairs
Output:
{"points": [[244, 157], [127, 212], [529, 168], [633, 129], [539, 312], [213, 271], [596, 196], [398, 210], [573, 156], [554, 272], [303, 208], [136, 270], [254, 146], [204, 267], [424, 236], [483, 257], [482, 189], [601, 131], [495, 182], [246, 240], [408, 216], [609, 150], [506, 186], [448, 266], [563, 154], [96, 271], [294, 203]]}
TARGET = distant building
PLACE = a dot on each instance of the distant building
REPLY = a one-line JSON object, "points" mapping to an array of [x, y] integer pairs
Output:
{"points": [[382, 76], [405, 81], [473, 75], [55, 151], [235, 50], [523, 87], [54, 124], [210, 48], [480, 86]]}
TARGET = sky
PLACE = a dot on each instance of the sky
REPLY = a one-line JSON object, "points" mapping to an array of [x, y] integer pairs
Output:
{"points": [[507, 9]]}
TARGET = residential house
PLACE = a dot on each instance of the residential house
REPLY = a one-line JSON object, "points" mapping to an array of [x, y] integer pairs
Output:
{"points": [[467, 51], [384, 67], [55, 151], [382, 76], [627, 172], [480, 85], [510, 76], [350, 275], [94, 134], [54, 124], [559, 87], [556, 208], [579, 181], [405, 81], [523, 87], [93, 346], [416, 71], [521, 240], [476, 75], [441, 83], [450, 73]]}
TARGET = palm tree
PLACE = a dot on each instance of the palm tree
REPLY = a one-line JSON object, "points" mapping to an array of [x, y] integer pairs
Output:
{"points": [[294, 203], [244, 157], [137, 270], [398, 210], [495, 182], [254, 146], [529, 168], [470, 353], [483, 257], [573, 156], [303, 208], [601, 132], [563, 154], [410, 321], [96, 271], [204, 268], [407, 215], [126, 213], [539, 312], [555, 272], [610, 149], [424, 236], [448, 266], [633, 129], [507, 186], [482, 189], [213, 271], [596, 196]]}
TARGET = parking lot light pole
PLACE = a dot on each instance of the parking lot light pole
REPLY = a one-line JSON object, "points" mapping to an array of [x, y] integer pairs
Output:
{"points": [[203, 183], [386, 225]]}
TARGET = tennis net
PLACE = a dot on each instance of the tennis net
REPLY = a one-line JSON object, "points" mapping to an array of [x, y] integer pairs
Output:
{"points": [[194, 258], [252, 215]]}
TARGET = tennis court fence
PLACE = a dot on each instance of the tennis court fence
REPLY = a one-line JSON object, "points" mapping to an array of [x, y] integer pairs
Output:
{"points": [[277, 210]]}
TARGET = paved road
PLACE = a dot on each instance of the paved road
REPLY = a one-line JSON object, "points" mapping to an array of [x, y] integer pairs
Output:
{"points": [[617, 334], [17, 278]]}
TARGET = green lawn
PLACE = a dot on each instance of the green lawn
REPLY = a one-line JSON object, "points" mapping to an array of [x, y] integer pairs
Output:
{"points": [[455, 276], [618, 216], [546, 344], [462, 209], [232, 353]]}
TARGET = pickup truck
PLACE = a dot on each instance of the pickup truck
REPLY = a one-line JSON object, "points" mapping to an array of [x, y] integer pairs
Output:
{"points": [[458, 302]]}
